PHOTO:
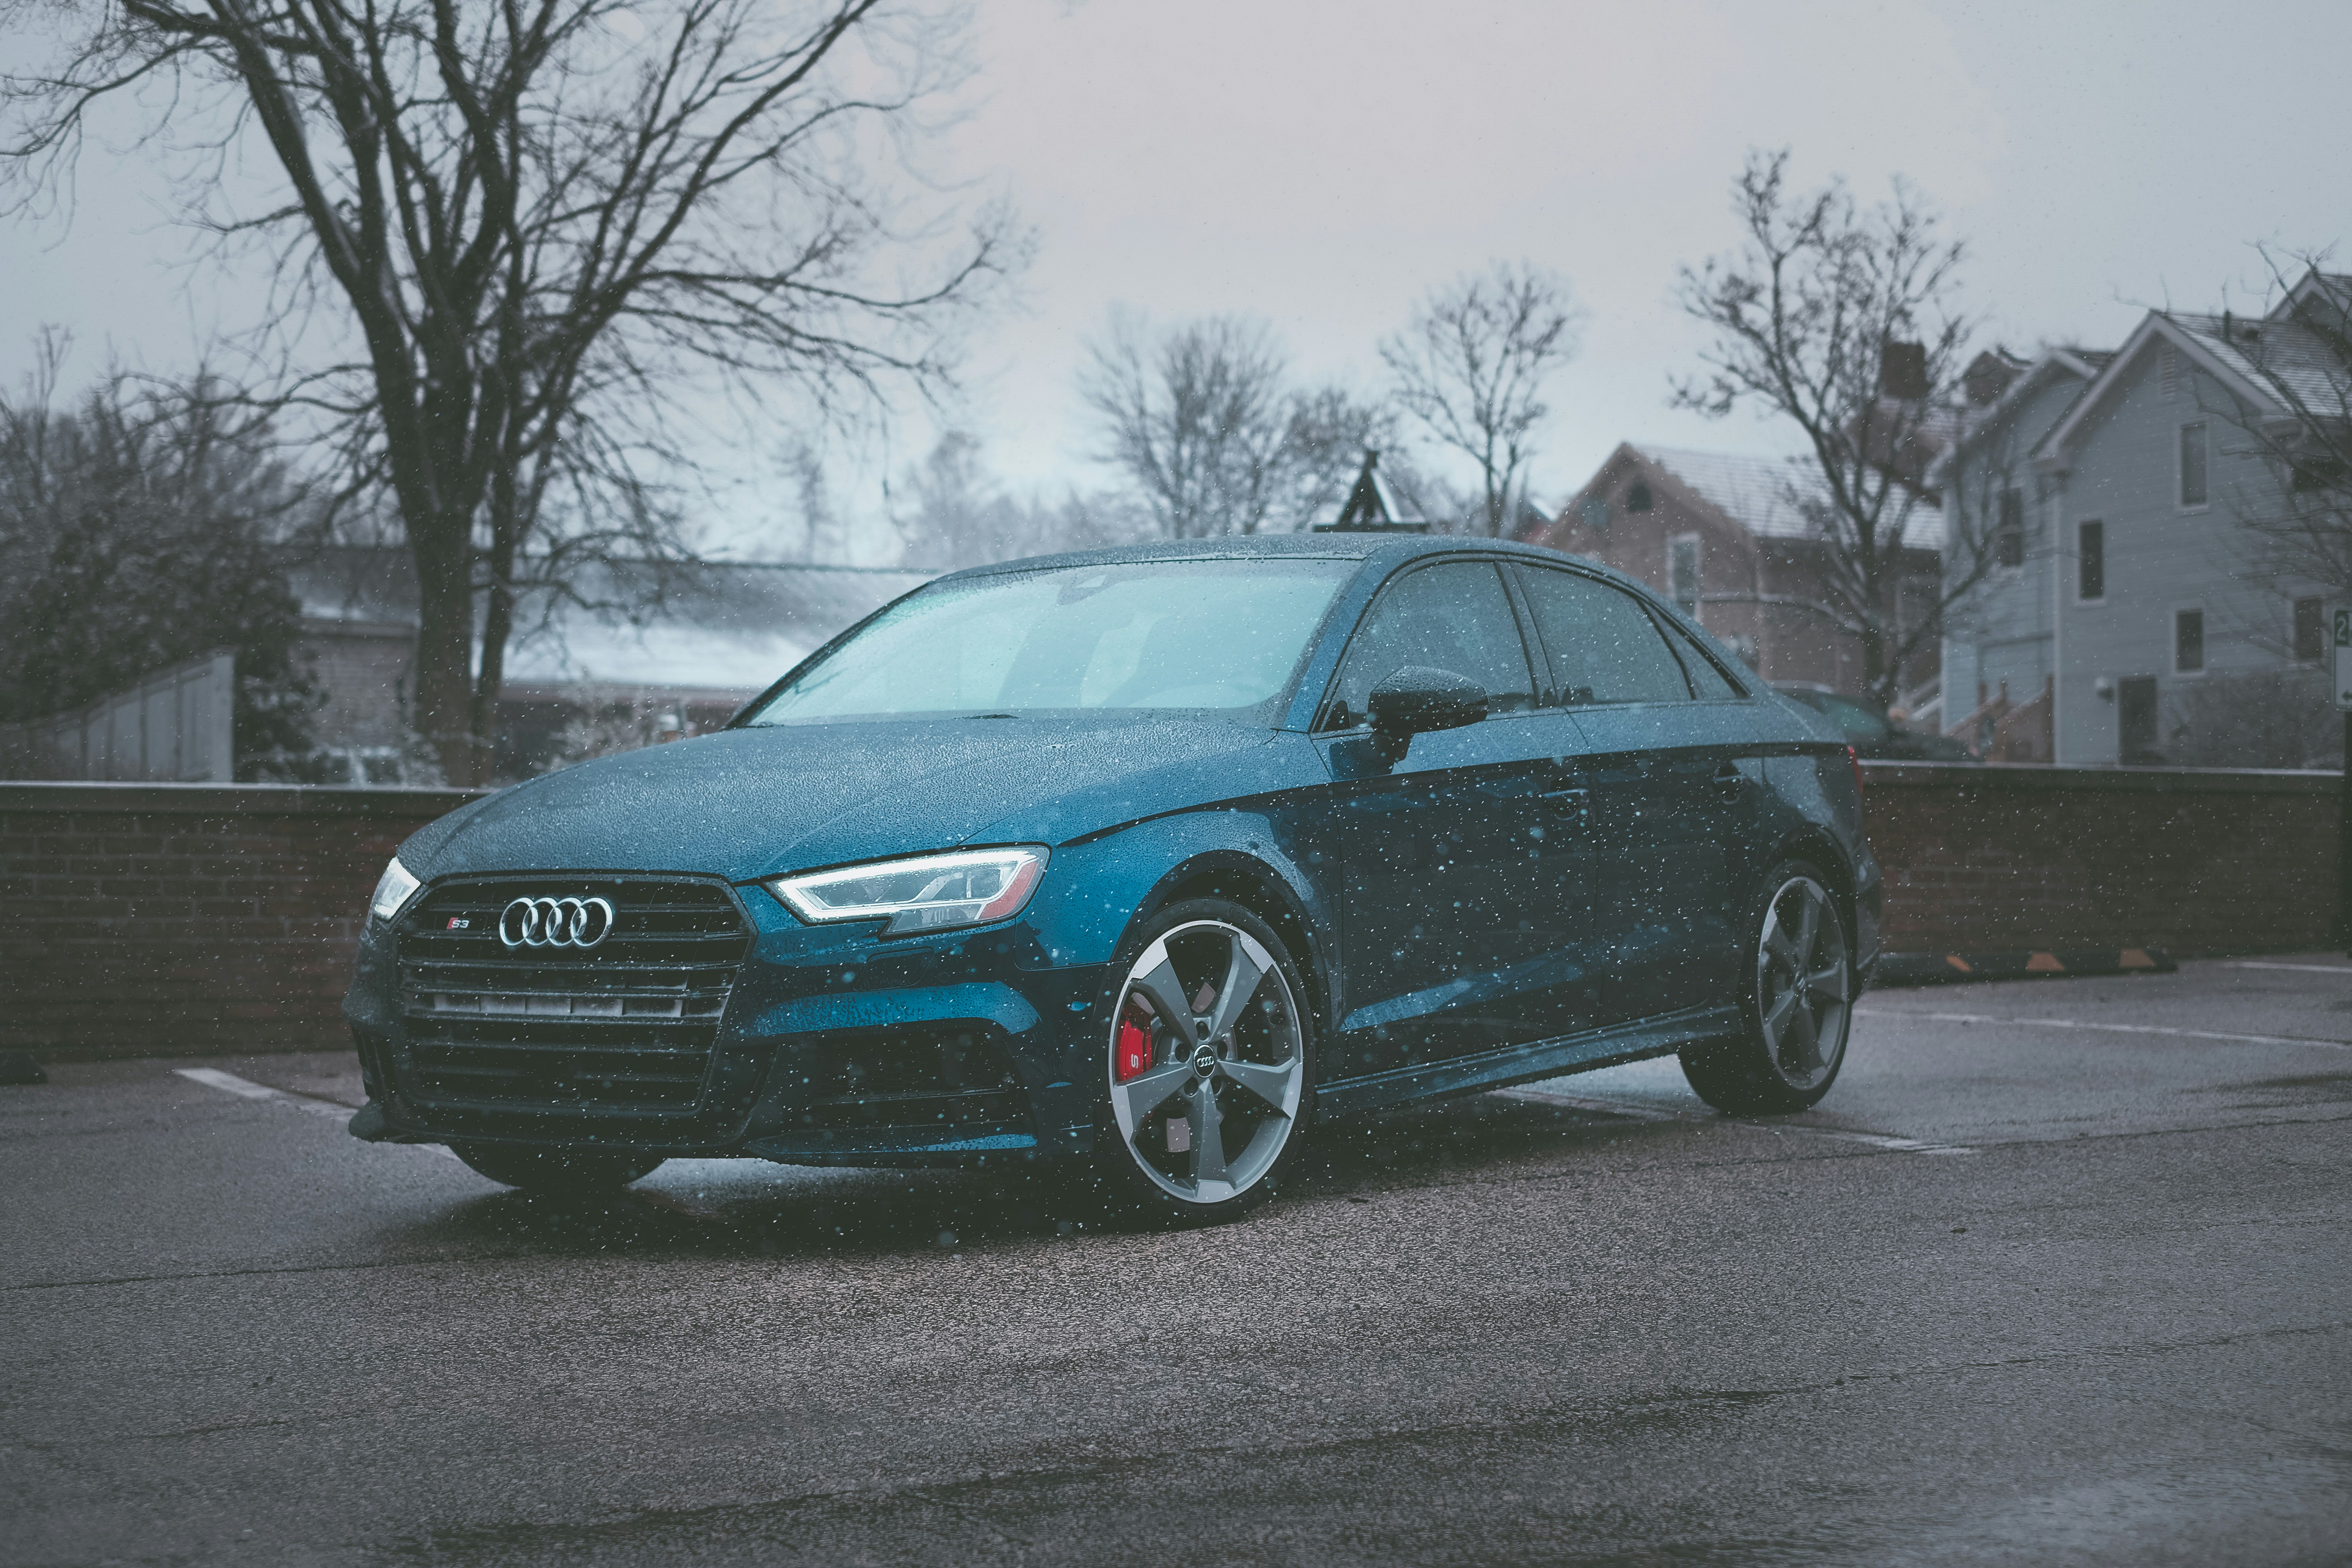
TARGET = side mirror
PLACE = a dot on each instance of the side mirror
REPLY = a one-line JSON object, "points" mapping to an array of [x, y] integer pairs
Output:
{"points": [[1417, 698]]}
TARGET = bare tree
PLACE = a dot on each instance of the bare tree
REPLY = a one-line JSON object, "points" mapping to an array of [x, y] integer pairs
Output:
{"points": [[1197, 418], [1470, 367], [1213, 436], [2298, 357], [141, 525], [532, 219], [1843, 320], [960, 515]]}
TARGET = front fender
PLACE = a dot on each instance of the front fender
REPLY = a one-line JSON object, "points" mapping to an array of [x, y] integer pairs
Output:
{"points": [[1100, 888]]}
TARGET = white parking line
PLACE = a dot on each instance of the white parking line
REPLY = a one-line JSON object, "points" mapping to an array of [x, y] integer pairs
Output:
{"points": [[2299, 968], [1648, 1113], [2106, 1028], [245, 1088]]}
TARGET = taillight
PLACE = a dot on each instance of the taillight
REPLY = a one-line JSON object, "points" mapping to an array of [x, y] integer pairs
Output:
{"points": [[1855, 762], [1132, 1052]]}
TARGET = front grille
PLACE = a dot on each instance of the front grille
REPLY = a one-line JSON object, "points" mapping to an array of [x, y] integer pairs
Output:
{"points": [[629, 1025]]}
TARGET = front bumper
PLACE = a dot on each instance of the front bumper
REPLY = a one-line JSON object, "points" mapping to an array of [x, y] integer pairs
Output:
{"points": [[835, 1047]]}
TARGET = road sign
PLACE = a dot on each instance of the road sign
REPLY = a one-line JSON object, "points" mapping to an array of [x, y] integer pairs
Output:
{"points": [[2344, 660]]}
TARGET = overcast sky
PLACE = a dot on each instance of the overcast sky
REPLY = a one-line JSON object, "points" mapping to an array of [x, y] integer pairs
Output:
{"points": [[1323, 164]]}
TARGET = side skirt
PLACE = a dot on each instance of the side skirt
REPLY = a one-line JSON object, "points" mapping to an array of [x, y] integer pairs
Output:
{"points": [[1612, 1047]]}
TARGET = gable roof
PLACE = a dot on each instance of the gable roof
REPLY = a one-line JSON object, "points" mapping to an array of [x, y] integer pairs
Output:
{"points": [[1374, 504], [2084, 364], [2336, 288], [1767, 496], [2239, 352]]}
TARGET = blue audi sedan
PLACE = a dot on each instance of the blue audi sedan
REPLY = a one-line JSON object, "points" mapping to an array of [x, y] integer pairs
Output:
{"points": [[1148, 859]]}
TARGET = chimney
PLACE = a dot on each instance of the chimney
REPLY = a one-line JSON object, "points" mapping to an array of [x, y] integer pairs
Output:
{"points": [[1903, 372]]}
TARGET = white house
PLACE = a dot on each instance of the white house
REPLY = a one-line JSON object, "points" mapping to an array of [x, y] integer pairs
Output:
{"points": [[2128, 597]]}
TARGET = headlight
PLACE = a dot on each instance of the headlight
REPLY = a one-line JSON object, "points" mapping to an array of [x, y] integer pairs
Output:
{"points": [[392, 891], [931, 892]]}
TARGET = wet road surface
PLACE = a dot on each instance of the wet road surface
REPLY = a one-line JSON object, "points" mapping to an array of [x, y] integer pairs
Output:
{"points": [[2059, 1273]]}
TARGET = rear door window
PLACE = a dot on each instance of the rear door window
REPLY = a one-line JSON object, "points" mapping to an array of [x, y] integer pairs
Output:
{"points": [[1708, 682], [1453, 617], [1602, 643]]}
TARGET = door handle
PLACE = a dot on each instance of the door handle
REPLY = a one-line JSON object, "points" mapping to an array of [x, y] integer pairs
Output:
{"points": [[1728, 779], [1574, 802]]}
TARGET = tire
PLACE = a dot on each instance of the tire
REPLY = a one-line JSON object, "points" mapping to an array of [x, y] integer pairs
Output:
{"points": [[555, 1172], [1244, 1067], [1796, 1002]]}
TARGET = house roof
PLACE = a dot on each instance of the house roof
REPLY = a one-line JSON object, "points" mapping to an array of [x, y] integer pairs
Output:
{"points": [[1764, 495], [2244, 354], [1374, 502], [2258, 350], [1770, 496], [2083, 363]]}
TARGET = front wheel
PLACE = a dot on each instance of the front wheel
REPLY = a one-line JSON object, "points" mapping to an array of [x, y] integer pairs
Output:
{"points": [[1796, 1004], [1208, 1066], [556, 1172]]}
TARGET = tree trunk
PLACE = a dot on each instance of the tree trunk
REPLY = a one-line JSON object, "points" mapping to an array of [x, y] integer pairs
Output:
{"points": [[445, 646]]}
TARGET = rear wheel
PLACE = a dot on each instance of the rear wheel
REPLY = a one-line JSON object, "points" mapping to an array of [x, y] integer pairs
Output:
{"points": [[1209, 1066], [555, 1170], [1797, 1004]]}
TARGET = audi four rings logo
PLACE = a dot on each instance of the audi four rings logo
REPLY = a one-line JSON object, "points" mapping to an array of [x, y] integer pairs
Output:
{"points": [[555, 922]]}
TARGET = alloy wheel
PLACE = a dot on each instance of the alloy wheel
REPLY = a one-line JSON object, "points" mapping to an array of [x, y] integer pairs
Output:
{"points": [[1207, 1062], [1804, 985]]}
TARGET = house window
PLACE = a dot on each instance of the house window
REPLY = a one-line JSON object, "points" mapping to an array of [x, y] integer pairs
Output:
{"points": [[2009, 538], [2192, 463], [2188, 641], [1682, 573], [1595, 511], [2090, 562], [1638, 499], [2310, 631]]}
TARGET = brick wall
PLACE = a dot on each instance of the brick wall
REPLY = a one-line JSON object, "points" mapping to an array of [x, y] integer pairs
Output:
{"points": [[187, 920], [156, 920], [2195, 861]]}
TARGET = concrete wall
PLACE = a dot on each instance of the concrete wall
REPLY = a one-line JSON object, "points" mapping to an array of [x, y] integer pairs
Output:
{"points": [[188, 919], [204, 919], [1992, 858]]}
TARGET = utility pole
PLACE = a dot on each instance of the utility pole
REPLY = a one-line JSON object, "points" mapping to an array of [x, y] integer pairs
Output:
{"points": [[2343, 673]]}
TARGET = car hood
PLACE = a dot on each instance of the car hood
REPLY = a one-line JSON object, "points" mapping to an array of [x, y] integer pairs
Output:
{"points": [[746, 803]]}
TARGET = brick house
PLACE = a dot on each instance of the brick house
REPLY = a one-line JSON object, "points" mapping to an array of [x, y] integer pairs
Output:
{"points": [[1727, 538]]}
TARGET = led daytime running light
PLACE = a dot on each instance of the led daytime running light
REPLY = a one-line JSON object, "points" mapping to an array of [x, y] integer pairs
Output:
{"points": [[392, 890], [928, 892]]}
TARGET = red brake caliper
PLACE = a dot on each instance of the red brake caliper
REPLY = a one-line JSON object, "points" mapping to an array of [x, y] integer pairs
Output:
{"points": [[1131, 1051]]}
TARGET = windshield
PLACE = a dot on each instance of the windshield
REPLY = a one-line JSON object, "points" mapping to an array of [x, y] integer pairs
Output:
{"points": [[1221, 635]]}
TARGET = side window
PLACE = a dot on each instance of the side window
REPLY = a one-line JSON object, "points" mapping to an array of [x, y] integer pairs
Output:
{"points": [[1454, 616], [1604, 648], [1708, 683]]}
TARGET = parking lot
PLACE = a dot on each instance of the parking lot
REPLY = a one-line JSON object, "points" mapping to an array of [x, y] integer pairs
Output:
{"points": [[2058, 1273]]}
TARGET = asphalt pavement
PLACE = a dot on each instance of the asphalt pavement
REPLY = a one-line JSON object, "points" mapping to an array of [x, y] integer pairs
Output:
{"points": [[2059, 1273]]}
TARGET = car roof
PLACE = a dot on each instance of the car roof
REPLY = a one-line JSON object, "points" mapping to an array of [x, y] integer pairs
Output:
{"points": [[1388, 549]]}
